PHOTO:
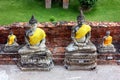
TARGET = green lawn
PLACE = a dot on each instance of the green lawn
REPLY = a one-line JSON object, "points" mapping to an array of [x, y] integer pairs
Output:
{"points": [[21, 10]]}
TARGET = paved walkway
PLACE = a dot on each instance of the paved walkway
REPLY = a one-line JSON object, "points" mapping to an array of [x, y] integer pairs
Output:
{"points": [[103, 72]]}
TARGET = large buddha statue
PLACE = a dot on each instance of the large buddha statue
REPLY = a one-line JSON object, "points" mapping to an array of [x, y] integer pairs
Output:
{"points": [[11, 45], [35, 55], [107, 45], [81, 52], [81, 36], [34, 38]]}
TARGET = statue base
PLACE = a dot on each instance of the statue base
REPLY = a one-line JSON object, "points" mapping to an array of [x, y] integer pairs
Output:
{"points": [[80, 60], [11, 49], [106, 49], [38, 67], [40, 60], [81, 67]]}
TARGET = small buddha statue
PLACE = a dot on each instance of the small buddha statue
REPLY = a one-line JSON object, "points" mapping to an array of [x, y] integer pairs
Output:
{"points": [[35, 55], [107, 45], [12, 40], [81, 36], [11, 45]]}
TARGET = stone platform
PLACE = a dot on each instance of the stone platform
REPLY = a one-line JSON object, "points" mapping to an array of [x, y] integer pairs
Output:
{"points": [[79, 61]]}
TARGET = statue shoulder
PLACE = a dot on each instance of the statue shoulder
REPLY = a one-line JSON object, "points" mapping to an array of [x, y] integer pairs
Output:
{"points": [[29, 32], [26, 32], [86, 25], [75, 28], [41, 30]]}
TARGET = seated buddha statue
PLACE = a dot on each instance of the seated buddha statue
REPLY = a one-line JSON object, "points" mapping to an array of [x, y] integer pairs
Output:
{"points": [[107, 45], [11, 44], [81, 52], [35, 55], [34, 38], [12, 40], [81, 36]]}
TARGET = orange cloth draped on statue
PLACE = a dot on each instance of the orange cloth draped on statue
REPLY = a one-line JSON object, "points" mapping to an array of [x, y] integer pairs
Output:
{"points": [[108, 41]]}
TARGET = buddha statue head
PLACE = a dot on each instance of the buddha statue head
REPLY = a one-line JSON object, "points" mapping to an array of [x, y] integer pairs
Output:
{"points": [[107, 33], [80, 18], [33, 22], [11, 33]]}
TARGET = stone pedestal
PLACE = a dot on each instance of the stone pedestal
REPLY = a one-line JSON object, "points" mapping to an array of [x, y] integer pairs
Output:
{"points": [[11, 49], [65, 4], [77, 60], [48, 3], [104, 49], [40, 60]]}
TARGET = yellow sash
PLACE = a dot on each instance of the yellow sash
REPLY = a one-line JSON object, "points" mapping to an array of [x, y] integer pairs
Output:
{"points": [[11, 39], [108, 41], [82, 31], [38, 35]]}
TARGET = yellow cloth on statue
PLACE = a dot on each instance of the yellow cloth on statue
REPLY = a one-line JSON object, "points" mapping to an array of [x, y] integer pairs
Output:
{"points": [[38, 35], [108, 41], [82, 31], [11, 39]]}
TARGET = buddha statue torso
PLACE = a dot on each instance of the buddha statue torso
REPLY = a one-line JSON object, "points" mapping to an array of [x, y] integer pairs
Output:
{"points": [[107, 40], [35, 37], [11, 39], [81, 32]]}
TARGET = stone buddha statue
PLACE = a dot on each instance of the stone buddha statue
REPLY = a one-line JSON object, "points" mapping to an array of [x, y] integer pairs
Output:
{"points": [[81, 36], [81, 52], [35, 55], [11, 45], [12, 40], [107, 45], [34, 38]]}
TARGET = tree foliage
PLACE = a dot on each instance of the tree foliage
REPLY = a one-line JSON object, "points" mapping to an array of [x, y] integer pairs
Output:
{"points": [[87, 4]]}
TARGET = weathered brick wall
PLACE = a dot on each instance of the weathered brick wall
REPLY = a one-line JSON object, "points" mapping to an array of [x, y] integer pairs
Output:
{"points": [[58, 36]]}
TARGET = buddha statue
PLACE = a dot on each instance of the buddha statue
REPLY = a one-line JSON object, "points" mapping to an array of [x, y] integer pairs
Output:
{"points": [[81, 52], [34, 38], [11, 45], [107, 45], [81, 36], [35, 53]]}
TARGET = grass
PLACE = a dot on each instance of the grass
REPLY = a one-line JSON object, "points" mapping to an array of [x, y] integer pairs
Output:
{"points": [[21, 10]]}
